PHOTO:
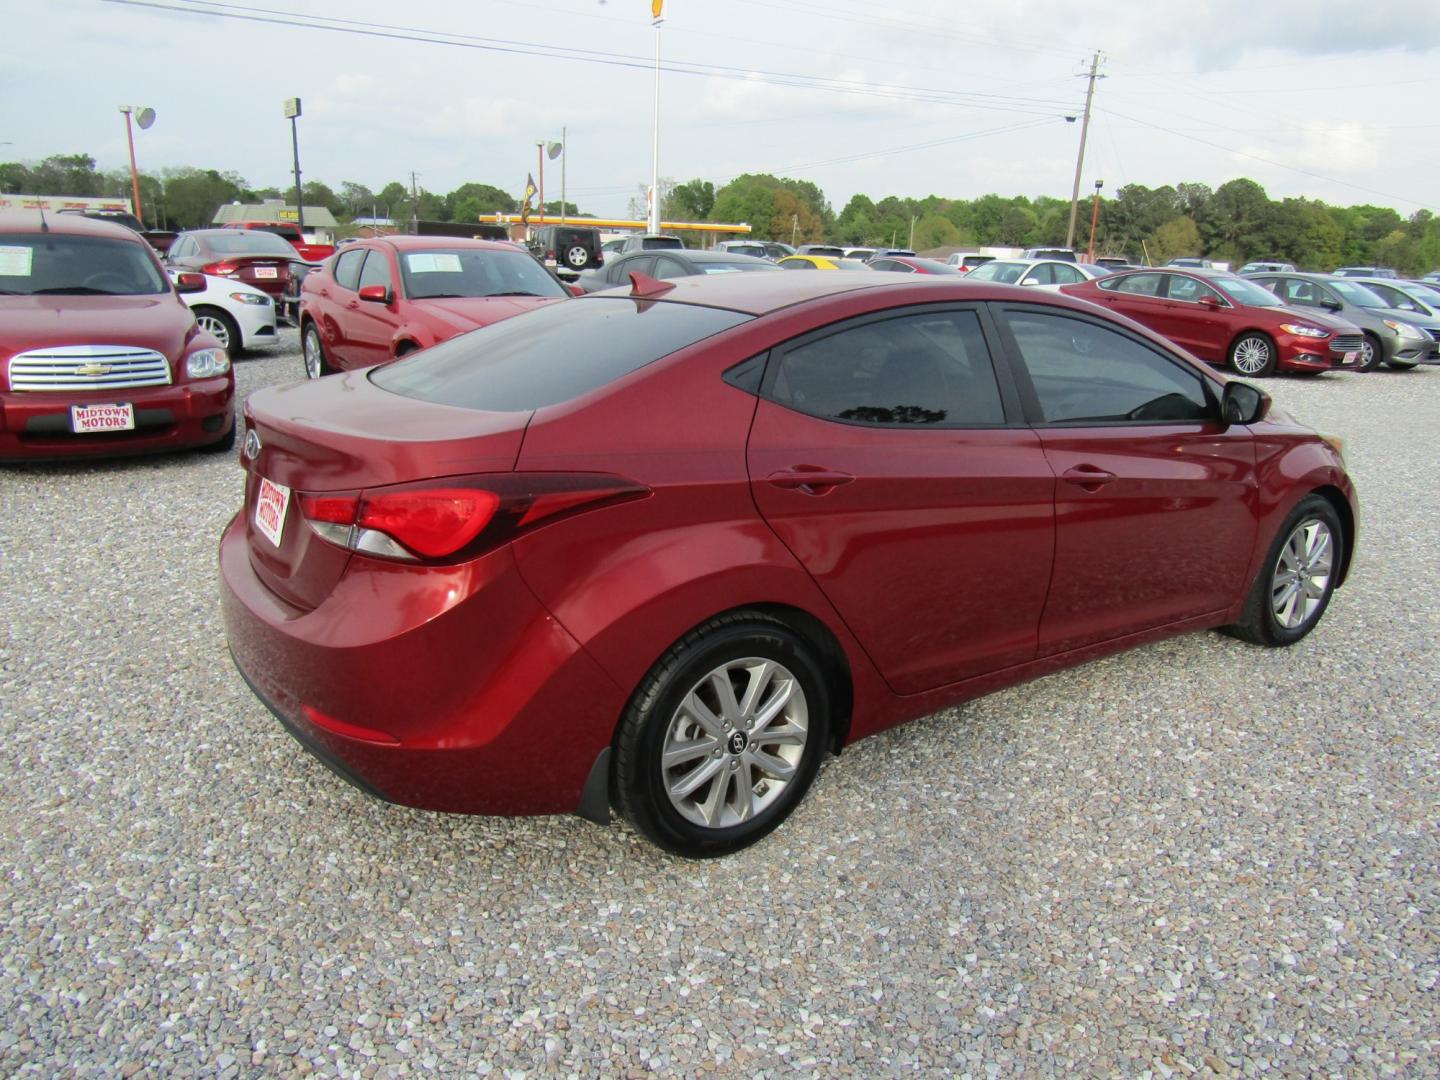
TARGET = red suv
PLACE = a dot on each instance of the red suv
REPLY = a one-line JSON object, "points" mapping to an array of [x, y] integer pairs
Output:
{"points": [[380, 299], [1226, 319], [98, 355]]}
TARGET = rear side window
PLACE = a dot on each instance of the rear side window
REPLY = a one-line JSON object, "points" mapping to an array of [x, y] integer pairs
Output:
{"points": [[929, 368], [1135, 284], [552, 354]]}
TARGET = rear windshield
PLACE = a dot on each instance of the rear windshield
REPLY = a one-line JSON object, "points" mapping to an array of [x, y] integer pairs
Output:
{"points": [[60, 264], [248, 242], [657, 243], [553, 354], [442, 273]]}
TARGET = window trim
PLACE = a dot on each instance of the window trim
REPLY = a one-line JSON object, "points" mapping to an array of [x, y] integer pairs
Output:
{"points": [[1210, 383], [1010, 400]]}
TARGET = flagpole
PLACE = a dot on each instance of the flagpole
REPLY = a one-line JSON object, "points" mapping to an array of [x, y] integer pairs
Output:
{"points": [[540, 156], [563, 156], [655, 154]]}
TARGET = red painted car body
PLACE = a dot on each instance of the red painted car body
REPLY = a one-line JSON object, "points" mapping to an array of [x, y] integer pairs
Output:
{"points": [[913, 264], [89, 318], [291, 234], [664, 477], [1208, 312], [466, 283]]}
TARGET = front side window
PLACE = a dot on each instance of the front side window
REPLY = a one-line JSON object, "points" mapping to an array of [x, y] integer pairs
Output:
{"points": [[1084, 373], [1044, 274], [347, 268], [63, 264], [1066, 274], [376, 271], [1357, 294], [930, 368], [1190, 291], [1007, 273]]}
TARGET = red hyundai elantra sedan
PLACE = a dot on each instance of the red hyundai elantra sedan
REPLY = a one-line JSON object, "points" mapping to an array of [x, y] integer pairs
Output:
{"points": [[664, 548], [379, 299]]}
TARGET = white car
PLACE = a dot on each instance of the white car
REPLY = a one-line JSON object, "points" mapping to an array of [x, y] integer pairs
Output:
{"points": [[238, 315], [1046, 273]]}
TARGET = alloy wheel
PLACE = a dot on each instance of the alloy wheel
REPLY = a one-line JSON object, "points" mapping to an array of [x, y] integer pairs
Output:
{"points": [[1302, 573], [735, 742], [1252, 355], [216, 328]]}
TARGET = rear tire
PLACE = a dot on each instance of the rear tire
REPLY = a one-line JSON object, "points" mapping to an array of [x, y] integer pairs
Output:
{"points": [[723, 736], [1253, 355], [316, 365], [1371, 352], [1297, 579]]}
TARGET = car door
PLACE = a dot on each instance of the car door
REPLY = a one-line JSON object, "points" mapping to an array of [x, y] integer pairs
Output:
{"points": [[887, 457], [1195, 317], [1155, 509], [369, 325], [1138, 296], [329, 301]]}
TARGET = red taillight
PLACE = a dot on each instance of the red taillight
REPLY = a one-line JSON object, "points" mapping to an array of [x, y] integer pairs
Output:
{"points": [[456, 518], [434, 522], [224, 269]]}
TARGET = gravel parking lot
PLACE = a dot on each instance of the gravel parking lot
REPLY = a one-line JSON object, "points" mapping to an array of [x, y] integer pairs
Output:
{"points": [[1199, 857]]}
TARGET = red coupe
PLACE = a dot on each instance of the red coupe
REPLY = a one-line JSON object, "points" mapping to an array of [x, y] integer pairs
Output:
{"points": [[98, 355], [379, 299], [666, 548], [1224, 318]]}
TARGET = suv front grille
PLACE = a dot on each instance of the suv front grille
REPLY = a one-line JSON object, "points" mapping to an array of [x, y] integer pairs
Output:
{"points": [[1343, 343], [88, 367]]}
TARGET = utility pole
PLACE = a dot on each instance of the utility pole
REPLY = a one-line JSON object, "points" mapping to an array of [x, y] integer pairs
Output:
{"points": [[292, 111], [414, 206], [1080, 159]]}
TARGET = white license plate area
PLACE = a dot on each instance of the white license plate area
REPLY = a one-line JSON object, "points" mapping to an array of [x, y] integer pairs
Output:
{"points": [[271, 502], [1350, 358], [267, 272], [88, 419]]}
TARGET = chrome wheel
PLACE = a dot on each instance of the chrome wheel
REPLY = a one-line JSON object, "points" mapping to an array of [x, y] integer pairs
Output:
{"points": [[314, 352], [735, 742], [1301, 580], [219, 328], [1251, 355]]}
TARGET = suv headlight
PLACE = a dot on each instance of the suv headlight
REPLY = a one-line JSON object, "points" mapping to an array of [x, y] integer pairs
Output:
{"points": [[206, 363], [1404, 329], [1304, 331], [250, 298]]}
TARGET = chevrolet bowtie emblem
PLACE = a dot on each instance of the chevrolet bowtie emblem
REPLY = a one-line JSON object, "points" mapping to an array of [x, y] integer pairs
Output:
{"points": [[90, 370]]}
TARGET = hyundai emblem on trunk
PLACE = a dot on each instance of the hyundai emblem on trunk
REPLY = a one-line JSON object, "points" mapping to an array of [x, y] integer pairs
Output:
{"points": [[252, 445]]}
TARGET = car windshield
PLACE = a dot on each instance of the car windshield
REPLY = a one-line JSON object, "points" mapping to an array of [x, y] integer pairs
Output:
{"points": [[1006, 273], [249, 242], [552, 354], [442, 273], [1246, 291], [56, 263], [1358, 295]]}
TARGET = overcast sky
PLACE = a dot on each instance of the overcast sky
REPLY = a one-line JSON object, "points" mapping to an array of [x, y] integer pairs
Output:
{"points": [[1331, 100]]}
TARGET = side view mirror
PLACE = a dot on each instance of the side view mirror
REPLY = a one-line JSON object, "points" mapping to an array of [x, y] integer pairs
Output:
{"points": [[1210, 302], [1242, 403], [189, 283], [1330, 305], [376, 294]]}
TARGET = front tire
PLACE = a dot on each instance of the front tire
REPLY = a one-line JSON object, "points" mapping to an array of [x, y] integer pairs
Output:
{"points": [[723, 736], [1253, 355], [316, 365], [220, 326], [1297, 579], [1371, 352]]}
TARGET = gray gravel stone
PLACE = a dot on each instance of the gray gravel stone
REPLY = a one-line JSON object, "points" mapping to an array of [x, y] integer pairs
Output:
{"points": [[1199, 858]]}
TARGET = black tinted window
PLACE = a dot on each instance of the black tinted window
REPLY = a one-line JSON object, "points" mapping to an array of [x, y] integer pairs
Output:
{"points": [[931, 368], [553, 354], [1084, 373]]}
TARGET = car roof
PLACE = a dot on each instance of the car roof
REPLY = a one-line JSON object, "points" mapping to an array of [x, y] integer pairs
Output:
{"points": [[760, 294], [29, 221], [421, 243]]}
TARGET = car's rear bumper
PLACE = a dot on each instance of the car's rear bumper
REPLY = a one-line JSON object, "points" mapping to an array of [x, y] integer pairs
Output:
{"points": [[447, 689], [37, 425]]}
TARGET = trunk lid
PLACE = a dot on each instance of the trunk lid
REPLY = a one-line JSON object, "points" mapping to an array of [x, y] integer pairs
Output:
{"points": [[343, 434]]}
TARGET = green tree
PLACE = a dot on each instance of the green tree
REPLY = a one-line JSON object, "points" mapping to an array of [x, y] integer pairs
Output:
{"points": [[1180, 236], [470, 200], [691, 201], [193, 195], [751, 199], [1232, 218], [67, 174]]}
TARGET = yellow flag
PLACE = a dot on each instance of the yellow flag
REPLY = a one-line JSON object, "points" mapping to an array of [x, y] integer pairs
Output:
{"points": [[655, 6]]}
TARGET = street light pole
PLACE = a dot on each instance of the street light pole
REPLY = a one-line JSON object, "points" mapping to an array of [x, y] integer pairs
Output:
{"points": [[292, 110], [654, 223], [1080, 159], [144, 117], [1094, 220]]}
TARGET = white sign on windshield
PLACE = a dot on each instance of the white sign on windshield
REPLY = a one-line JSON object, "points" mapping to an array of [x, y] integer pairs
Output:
{"points": [[436, 262], [15, 261]]}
